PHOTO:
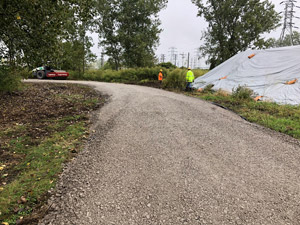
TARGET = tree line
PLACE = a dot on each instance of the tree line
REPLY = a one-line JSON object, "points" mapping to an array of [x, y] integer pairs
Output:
{"points": [[33, 32]]}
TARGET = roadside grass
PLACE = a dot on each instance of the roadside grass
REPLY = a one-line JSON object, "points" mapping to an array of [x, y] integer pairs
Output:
{"points": [[281, 118], [33, 155], [140, 76]]}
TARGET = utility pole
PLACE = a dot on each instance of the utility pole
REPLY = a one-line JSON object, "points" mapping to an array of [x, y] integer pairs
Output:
{"points": [[288, 20], [188, 64], [182, 57], [175, 59]]}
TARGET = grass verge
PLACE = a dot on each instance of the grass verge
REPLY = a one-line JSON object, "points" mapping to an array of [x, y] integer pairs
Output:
{"points": [[42, 127], [281, 118]]}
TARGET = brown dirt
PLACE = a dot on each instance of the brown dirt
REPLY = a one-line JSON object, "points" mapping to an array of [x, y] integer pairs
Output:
{"points": [[41, 101], [34, 107]]}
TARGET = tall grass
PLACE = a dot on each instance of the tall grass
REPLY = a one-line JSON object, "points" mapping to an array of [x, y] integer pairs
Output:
{"points": [[173, 78], [120, 76], [199, 72], [176, 79]]}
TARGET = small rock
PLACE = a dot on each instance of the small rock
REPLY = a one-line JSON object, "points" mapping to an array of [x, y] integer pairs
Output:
{"points": [[81, 195]]}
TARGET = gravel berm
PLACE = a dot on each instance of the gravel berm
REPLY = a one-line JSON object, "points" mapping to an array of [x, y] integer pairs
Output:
{"points": [[162, 158]]}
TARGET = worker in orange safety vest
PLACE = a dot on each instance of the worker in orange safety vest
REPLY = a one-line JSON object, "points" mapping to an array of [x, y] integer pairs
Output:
{"points": [[160, 76]]}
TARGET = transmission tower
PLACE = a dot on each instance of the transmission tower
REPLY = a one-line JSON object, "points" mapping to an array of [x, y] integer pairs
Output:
{"points": [[288, 20], [173, 52], [163, 56]]}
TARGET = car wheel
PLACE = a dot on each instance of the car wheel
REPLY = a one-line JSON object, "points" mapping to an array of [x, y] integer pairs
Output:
{"points": [[40, 75]]}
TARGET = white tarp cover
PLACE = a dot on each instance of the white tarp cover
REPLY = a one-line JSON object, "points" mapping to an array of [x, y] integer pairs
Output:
{"points": [[266, 74]]}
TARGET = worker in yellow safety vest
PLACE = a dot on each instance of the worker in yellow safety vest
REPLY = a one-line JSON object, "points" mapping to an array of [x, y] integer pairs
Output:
{"points": [[189, 79]]}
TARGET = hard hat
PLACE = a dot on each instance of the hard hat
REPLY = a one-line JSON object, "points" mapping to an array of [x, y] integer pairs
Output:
{"points": [[189, 68], [160, 70]]}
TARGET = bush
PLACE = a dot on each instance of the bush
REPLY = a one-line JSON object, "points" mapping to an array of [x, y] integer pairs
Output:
{"points": [[199, 72], [242, 93], [176, 79], [10, 78], [121, 76], [74, 75]]}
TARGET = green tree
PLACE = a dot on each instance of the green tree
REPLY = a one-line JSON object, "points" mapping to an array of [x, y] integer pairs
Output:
{"points": [[28, 35], [287, 40], [167, 65], [129, 31], [234, 25], [108, 31], [33, 32], [73, 53], [86, 17]]}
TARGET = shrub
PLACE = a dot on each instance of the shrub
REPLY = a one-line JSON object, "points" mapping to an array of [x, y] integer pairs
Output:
{"points": [[74, 75], [10, 78], [123, 76], [175, 79], [199, 72], [242, 93]]}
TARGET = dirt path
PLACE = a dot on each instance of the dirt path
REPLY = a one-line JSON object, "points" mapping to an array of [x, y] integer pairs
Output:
{"points": [[161, 158]]}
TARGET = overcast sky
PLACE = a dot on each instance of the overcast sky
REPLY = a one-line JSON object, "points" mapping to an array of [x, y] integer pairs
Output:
{"points": [[182, 28]]}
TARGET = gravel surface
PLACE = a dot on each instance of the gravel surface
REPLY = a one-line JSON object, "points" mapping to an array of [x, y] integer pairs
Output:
{"points": [[158, 157]]}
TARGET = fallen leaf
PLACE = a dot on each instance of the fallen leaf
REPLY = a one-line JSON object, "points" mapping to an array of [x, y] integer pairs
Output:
{"points": [[1, 188], [5, 175], [23, 199], [16, 210], [5, 223], [1, 168]]}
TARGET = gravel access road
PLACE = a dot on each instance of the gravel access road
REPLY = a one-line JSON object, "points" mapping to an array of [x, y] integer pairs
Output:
{"points": [[157, 157]]}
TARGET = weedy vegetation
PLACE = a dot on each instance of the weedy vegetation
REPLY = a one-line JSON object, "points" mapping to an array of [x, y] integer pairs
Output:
{"points": [[281, 118], [42, 127]]}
